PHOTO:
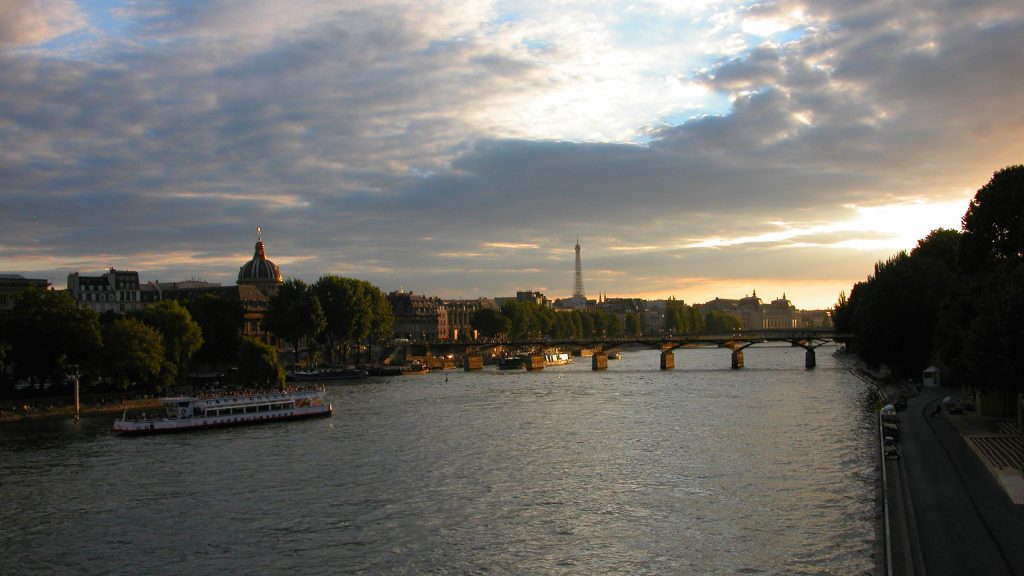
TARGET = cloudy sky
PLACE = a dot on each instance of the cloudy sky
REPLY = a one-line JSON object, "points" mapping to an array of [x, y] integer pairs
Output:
{"points": [[697, 148]]}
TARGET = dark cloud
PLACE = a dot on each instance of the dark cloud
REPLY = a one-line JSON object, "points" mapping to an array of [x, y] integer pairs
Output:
{"points": [[354, 138]]}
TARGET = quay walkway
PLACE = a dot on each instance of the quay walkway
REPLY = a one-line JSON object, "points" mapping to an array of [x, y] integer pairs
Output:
{"points": [[955, 498]]}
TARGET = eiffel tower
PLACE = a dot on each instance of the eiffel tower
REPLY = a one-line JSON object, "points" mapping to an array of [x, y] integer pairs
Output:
{"points": [[577, 285]]}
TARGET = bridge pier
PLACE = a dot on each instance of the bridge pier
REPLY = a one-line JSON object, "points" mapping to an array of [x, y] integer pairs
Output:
{"points": [[668, 360], [737, 359], [535, 362], [474, 362], [599, 361], [809, 360]]}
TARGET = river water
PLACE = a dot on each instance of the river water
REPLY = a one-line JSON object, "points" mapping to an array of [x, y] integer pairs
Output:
{"points": [[698, 470]]}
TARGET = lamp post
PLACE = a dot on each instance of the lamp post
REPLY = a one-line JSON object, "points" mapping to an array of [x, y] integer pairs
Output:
{"points": [[73, 374]]}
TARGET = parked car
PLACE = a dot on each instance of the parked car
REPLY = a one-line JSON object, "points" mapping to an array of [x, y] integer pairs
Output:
{"points": [[953, 405], [890, 449]]}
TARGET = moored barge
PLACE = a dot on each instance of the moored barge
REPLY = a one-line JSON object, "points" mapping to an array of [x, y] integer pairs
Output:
{"points": [[183, 413]]}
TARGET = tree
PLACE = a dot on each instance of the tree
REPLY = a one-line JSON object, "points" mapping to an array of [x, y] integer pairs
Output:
{"points": [[980, 331], [681, 318], [523, 318], [382, 319], [182, 336], [607, 324], [294, 313], [941, 245], [842, 314], [355, 311], [258, 366], [718, 322], [221, 321], [634, 325], [993, 227], [47, 332], [134, 354], [895, 313]]}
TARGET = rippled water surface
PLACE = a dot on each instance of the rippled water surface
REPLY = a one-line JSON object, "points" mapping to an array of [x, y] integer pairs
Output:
{"points": [[698, 470]]}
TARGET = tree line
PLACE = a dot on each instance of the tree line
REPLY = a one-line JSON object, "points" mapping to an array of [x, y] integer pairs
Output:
{"points": [[47, 336], [524, 320], [956, 299]]}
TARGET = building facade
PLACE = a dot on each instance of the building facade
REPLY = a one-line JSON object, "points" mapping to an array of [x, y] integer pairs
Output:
{"points": [[117, 291], [460, 316], [418, 317], [754, 314], [12, 285]]}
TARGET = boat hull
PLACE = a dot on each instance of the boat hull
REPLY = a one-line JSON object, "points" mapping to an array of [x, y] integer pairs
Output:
{"points": [[194, 413], [165, 426]]}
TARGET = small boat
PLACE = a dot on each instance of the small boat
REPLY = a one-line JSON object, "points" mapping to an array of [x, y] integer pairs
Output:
{"points": [[384, 371], [557, 359], [414, 369], [615, 356], [183, 413], [512, 363]]}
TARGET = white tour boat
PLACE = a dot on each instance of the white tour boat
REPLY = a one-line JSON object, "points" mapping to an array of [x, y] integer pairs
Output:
{"points": [[209, 411], [557, 358]]}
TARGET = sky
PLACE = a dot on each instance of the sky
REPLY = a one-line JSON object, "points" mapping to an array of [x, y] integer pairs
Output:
{"points": [[696, 148]]}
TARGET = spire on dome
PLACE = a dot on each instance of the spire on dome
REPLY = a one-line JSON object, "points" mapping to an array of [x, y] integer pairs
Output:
{"points": [[260, 271]]}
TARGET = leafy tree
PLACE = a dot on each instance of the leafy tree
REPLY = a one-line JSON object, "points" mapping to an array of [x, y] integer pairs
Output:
{"points": [[576, 320], [633, 325], [134, 354], [563, 326], [681, 318], [221, 322], [842, 314], [993, 227], [980, 331], [607, 324], [342, 305], [382, 319], [489, 323], [355, 311], [524, 319], [941, 245], [4, 349], [47, 332], [294, 313], [718, 322], [895, 313], [182, 336], [258, 365]]}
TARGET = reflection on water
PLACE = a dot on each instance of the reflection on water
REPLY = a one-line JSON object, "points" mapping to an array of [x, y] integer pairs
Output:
{"points": [[634, 470]]}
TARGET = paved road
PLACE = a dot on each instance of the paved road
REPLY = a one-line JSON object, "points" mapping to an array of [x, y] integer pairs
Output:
{"points": [[948, 515]]}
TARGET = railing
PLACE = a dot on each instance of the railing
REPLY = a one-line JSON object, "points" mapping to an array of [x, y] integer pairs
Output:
{"points": [[809, 338]]}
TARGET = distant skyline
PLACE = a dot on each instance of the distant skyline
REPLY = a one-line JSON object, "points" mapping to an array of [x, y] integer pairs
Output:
{"points": [[697, 148]]}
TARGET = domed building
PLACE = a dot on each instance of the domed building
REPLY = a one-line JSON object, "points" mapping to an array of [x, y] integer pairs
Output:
{"points": [[752, 312], [260, 272], [781, 313]]}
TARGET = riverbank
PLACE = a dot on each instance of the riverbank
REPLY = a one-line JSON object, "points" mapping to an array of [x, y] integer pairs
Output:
{"points": [[12, 411]]}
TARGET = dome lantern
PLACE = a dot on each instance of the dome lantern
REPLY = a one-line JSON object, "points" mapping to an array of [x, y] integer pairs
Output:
{"points": [[260, 271]]}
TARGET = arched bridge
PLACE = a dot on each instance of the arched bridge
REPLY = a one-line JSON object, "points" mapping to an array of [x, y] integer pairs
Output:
{"points": [[807, 338]]}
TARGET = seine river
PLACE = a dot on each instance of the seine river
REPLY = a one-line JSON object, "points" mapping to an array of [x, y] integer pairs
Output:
{"points": [[700, 470]]}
